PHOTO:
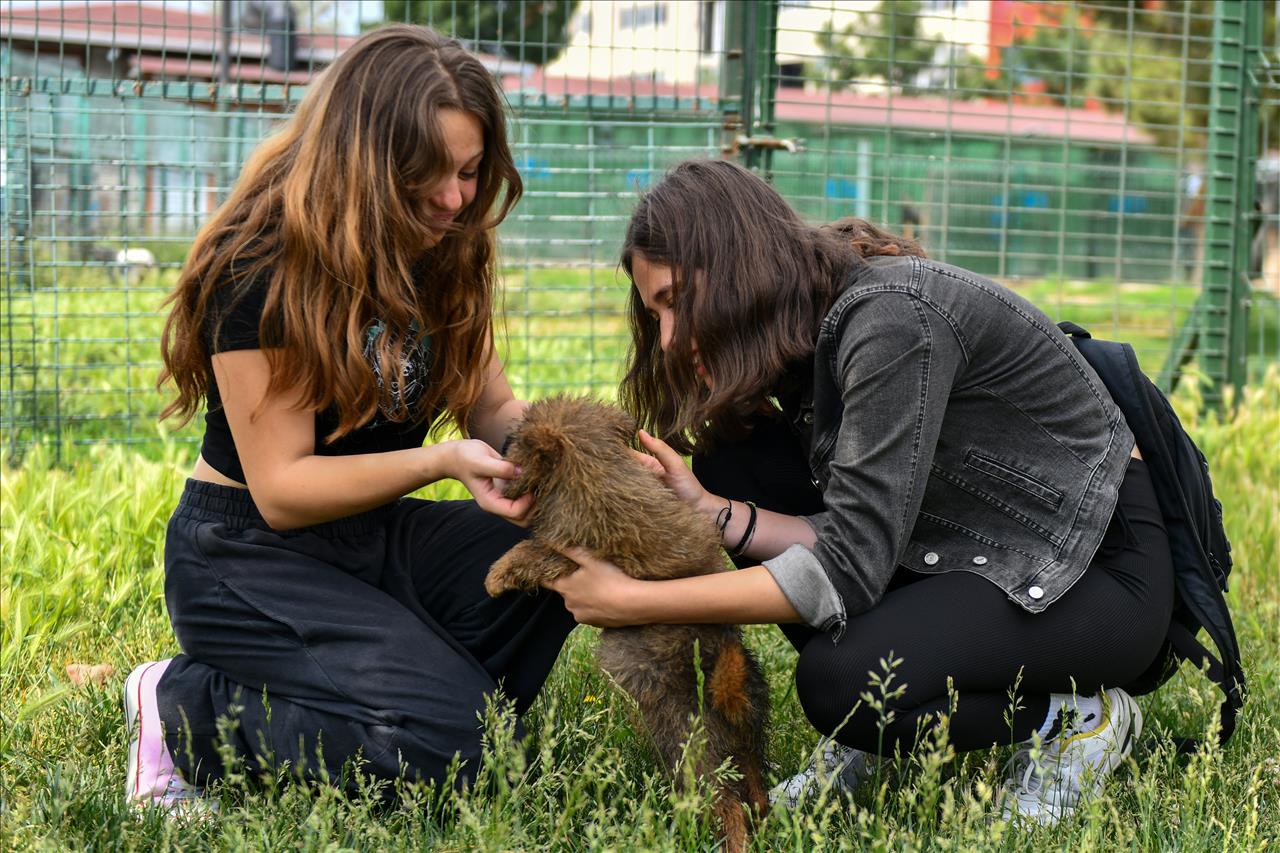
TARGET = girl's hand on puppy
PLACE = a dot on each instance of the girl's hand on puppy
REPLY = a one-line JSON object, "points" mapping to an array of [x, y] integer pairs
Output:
{"points": [[599, 592], [669, 467], [485, 473]]}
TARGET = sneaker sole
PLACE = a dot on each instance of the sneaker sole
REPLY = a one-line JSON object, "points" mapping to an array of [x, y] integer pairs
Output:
{"points": [[1131, 734], [131, 704], [1135, 730]]}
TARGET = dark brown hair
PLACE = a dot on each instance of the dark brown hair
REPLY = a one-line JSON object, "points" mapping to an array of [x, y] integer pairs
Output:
{"points": [[331, 209], [751, 283]]}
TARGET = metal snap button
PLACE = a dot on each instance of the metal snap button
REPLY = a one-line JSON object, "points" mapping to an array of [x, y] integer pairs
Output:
{"points": [[816, 484], [1036, 592], [931, 559], [807, 417], [979, 560]]}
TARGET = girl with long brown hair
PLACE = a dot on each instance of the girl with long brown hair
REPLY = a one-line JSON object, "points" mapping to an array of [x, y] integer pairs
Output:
{"points": [[333, 312], [910, 463]]}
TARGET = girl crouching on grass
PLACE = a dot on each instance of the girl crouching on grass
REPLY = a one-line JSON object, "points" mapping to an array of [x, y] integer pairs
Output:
{"points": [[334, 311], [911, 462]]}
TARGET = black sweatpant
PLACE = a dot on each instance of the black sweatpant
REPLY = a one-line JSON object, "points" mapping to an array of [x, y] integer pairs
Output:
{"points": [[371, 635], [1103, 632]]}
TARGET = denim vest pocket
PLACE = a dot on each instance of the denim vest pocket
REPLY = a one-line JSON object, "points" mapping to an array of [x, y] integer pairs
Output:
{"points": [[1050, 496], [967, 499], [941, 545]]}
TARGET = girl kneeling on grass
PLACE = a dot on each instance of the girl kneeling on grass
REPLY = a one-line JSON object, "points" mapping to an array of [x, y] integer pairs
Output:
{"points": [[913, 463], [335, 310]]}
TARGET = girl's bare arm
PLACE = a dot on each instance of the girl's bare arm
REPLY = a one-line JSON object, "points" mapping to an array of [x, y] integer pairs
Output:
{"points": [[293, 487]]}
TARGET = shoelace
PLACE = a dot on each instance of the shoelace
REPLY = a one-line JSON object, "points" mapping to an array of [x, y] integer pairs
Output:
{"points": [[1022, 768], [1034, 777]]}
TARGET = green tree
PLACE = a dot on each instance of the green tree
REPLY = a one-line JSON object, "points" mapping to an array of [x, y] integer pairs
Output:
{"points": [[1151, 61], [883, 43], [886, 43], [1156, 61], [526, 30]]}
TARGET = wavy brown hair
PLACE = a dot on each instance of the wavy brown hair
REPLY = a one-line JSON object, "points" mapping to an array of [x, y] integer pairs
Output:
{"points": [[751, 283], [331, 211]]}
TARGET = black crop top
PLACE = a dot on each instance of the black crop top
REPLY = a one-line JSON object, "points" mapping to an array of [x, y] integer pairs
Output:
{"points": [[234, 319]]}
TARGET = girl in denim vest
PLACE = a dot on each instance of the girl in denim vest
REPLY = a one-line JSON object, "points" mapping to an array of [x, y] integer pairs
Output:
{"points": [[908, 463]]}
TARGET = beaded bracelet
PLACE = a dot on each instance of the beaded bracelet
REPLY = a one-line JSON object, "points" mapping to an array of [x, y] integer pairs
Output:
{"points": [[749, 533]]}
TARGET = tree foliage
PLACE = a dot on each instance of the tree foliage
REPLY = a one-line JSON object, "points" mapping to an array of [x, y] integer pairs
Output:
{"points": [[884, 43], [1151, 61], [526, 30]]}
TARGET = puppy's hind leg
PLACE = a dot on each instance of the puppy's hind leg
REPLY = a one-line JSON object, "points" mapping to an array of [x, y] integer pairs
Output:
{"points": [[733, 822], [526, 567]]}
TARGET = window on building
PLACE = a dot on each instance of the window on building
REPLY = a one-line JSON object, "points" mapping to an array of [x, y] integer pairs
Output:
{"points": [[636, 16], [707, 25], [791, 75]]}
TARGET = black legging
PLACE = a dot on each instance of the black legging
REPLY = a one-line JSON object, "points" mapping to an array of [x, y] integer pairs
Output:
{"points": [[1104, 632]]}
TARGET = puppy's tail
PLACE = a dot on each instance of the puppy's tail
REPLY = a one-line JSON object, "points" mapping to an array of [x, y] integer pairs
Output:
{"points": [[729, 685]]}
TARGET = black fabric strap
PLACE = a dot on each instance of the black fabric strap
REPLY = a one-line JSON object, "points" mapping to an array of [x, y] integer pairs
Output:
{"points": [[1181, 638]]}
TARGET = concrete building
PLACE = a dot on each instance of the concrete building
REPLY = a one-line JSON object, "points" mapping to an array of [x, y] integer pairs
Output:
{"points": [[681, 41]]}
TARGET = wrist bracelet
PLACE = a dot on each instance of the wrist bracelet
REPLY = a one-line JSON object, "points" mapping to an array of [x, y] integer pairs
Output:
{"points": [[722, 519], [748, 533]]}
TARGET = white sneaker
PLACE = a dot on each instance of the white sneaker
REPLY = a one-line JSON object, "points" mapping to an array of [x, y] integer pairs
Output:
{"points": [[834, 767], [151, 779], [1046, 782]]}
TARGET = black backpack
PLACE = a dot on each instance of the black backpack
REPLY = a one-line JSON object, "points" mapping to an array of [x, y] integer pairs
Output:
{"points": [[1201, 552]]}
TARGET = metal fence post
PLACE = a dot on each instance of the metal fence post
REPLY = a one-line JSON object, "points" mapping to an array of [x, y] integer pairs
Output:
{"points": [[732, 77], [1233, 132], [748, 81], [1251, 147], [20, 401]]}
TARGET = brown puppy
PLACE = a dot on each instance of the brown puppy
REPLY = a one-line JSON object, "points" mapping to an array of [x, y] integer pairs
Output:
{"points": [[591, 492]]}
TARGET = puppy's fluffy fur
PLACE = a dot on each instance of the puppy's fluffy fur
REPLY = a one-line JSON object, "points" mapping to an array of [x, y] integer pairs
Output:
{"points": [[591, 492]]}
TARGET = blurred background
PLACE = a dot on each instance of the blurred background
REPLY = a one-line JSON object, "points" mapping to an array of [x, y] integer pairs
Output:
{"points": [[1116, 162]]}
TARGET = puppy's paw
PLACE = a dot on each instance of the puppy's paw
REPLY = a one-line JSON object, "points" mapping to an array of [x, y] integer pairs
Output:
{"points": [[516, 569], [498, 580]]}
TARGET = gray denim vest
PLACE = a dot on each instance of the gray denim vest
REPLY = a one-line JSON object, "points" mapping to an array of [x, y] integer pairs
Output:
{"points": [[955, 428]]}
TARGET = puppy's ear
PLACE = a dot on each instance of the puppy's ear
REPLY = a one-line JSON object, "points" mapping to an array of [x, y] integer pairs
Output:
{"points": [[542, 445]]}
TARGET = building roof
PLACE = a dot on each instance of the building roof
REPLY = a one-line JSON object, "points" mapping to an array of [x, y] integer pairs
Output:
{"points": [[170, 41], [128, 25], [983, 116], [935, 114]]}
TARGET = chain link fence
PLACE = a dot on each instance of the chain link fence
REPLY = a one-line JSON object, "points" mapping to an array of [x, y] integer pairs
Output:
{"points": [[1117, 162]]}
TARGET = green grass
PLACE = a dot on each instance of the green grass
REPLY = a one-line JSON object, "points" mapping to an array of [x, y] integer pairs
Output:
{"points": [[81, 576]]}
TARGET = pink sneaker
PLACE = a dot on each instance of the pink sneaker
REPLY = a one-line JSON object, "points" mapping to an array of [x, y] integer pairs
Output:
{"points": [[151, 779]]}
